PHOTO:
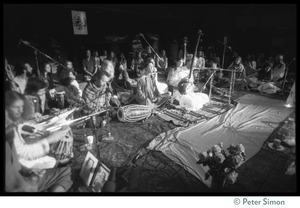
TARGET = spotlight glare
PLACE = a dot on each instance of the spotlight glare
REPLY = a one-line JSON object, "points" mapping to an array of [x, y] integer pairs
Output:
{"points": [[288, 105]]}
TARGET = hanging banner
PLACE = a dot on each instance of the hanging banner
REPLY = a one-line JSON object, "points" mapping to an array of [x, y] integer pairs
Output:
{"points": [[79, 23]]}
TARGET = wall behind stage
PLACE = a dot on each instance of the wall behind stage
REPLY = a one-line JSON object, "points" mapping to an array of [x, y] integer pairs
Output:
{"points": [[246, 31], [38, 24]]}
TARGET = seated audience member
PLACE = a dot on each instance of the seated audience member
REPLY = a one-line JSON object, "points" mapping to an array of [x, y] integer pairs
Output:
{"points": [[122, 61], [190, 100], [199, 61], [240, 74], [250, 66], [260, 60], [46, 75], [137, 63], [23, 72], [147, 91], [278, 68], [238, 67], [9, 76], [88, 66], [97, 60], [265, 74], [112, 57], [103, 57], [162, 62], [35, 92], [72, 93], [214, 58], [25, 152]]}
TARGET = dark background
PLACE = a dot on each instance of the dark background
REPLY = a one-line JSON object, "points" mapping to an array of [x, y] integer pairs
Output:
{"points": [[269, 28]]}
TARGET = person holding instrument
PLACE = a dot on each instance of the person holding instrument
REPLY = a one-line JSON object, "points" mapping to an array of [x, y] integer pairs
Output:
{"points": [[30, 150]]}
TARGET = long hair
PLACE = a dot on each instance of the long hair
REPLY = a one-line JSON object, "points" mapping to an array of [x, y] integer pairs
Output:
{"points": [[19, 68], [34, 84]]}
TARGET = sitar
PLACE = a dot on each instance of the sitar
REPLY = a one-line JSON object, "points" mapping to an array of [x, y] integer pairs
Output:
{"points": [[199, 37]]}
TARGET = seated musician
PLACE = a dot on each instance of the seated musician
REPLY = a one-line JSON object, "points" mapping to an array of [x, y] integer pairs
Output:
{"points": [[173, 73], [97, 94], [31, 150], [35, 92], [108, 66], [147, 91], [72, 94], [74, 82], [46, 75], [121, 75], [162, 62], [189, 100]]}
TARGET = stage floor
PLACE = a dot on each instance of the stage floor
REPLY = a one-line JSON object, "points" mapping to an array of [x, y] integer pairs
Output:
{"points": [[154, 172]]}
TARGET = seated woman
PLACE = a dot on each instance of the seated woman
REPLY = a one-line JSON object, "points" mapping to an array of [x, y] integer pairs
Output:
{"points": [[250, 66], [46, 75], [162, 62], [31, 152], [72, 94], [190, 100]]}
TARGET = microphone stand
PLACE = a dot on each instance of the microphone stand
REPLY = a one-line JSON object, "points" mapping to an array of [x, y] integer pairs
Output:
{"points": [[231, 87], [149, 45], [285, 74], [37, 63], [37, 50]]}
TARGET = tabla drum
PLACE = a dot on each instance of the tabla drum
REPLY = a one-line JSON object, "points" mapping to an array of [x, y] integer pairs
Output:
{"points": [[134, 113], [63, 150]]}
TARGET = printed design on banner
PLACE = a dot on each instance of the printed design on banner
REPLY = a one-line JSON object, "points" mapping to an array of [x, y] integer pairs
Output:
{"points": [[79, 22]]}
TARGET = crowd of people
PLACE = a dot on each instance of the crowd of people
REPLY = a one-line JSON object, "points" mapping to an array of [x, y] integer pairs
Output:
{"points": [[32, 96]]}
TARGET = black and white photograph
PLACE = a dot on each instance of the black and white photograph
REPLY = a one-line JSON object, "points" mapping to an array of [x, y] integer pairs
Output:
{"points": [[179, 98], [100, 177], [88, 168]]}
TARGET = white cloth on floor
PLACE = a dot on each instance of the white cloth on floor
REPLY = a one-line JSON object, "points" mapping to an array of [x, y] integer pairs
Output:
{"points": [[291, 98], [193, 101]]}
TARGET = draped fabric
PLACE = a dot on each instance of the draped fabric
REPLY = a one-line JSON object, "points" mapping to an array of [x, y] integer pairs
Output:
{"points": [[250, 123]]}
